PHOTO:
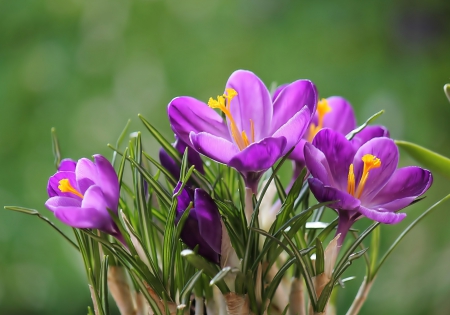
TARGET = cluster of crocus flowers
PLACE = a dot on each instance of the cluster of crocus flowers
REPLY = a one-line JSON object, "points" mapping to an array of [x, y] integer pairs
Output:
{"points": [[257, 130], [362, 178], [83, 193]]}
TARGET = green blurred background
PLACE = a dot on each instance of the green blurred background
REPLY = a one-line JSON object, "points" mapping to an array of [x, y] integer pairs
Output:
{"points": [[85, 67]]}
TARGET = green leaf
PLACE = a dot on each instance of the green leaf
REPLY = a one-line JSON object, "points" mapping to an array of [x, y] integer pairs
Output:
{"points": [[353, 133], [375, 249], [403, 234], [305, 272], [202, 264], [103, 284], [186, 292], [55, 148], [427, 158], [222, 273], [167, 146], [36, 213], [120, 140], [320, 259]]}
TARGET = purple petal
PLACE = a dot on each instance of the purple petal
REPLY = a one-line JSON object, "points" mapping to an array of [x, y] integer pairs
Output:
{"points": [[169, 163], [208, 218], [259, 156], [317, 164], [341, 118], [108, 181], [384, 149], [252, 102], [191, 237], [404, 187], [291, 100], [369, 133], [216, 148], [53, 183], [55, 202], [85, 218], [294, 128], [297, 155], [183, 199], [383, 217], [326, 193], [86, 174], [339, 153], [67, 165], [278, 91], [187, 114]]}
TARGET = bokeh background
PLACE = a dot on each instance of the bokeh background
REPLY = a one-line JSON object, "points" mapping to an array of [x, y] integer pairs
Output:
{"points": [[86, 66]]}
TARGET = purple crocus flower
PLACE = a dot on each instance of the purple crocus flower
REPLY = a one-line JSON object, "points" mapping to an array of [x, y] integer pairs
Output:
{"points": [[256, 131], [173, 167], [364, 180], [81, 192], [335, 113], [203, 225]]}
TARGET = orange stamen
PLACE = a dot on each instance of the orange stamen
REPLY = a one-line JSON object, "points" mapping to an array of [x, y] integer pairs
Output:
{"points": [[322, 109], [65, 186]]}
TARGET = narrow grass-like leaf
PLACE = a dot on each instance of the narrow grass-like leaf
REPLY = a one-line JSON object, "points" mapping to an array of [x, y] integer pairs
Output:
{"points": [[36, 213], [353, 133], [185, 293], [136, 277], [162, 193], [120, 140], [305, 272], [168, 175], [55, 148], [345, 257], [208, 268], [426, 157], [167, 146], [406, 231], [374, 251], [103, 284], [222, 274], [320, 259]]}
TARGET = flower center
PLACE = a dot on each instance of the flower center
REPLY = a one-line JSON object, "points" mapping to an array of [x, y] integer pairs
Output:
{"points": [[65, 186], [223, 103], [322, 109], [370, 162]]}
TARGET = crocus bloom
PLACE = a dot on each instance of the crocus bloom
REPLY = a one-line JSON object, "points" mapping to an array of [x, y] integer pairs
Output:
{"points": [[202, 226], [256, 131], [335, 113], [81, 192], [364, 180], [169, 163]]}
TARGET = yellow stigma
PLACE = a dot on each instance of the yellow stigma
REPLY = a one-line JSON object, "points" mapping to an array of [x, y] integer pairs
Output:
{"points": [[370, 162], [223, 104], [322, 109], [65, 186]]}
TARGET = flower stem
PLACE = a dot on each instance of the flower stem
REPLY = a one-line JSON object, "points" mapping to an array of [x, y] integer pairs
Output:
{"points": [[248, 204], [199, 305], [361, 297], [296, 298]]}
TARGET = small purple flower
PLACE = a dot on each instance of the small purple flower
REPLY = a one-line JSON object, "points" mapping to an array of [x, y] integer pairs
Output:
{"points": [[203, 225], [364, 180], [256, 131], [81, 192], [172, 166]]}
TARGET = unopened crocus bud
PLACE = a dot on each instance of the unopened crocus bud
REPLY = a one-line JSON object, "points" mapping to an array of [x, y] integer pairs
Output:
{"points": [[169, 163], [203, 225]]}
